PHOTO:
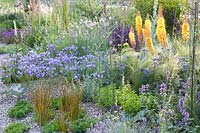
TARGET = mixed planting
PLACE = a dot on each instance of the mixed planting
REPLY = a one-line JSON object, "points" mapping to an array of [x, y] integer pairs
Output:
{"points": [[137, 61]]}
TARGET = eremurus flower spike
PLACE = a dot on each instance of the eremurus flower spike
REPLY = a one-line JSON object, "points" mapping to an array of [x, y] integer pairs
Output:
{"points": [[138, 24], [160, 29], [132, 38], [148, 39], [185, 28], [148, 23]]}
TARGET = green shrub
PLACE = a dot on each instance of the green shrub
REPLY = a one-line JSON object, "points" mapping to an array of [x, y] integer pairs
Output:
{"points": [[50, 128], [7, 49], [106, 96], [20, 110], [170, 8], [129, 100], [90, 9], [16, 128], [34, 39], [149, 102], [81, 125], [55, 103], [7, 20]]}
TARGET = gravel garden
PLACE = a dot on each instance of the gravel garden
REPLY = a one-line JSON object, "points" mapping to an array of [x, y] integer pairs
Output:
{"points": [[99, 66]]}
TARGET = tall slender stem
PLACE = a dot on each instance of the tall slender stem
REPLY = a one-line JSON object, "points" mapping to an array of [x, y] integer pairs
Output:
{"points": [[193, 54]]}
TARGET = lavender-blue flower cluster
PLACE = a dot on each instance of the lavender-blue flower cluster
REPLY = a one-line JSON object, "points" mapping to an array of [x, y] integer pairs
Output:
{"points": [[183, 111], [163, 89], [144, 89], [52, 63], [7, 36], [7, 33]]}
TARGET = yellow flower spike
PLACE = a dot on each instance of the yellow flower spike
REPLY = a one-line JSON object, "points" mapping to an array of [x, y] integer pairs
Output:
{"points": [[132, 38], [148, 40], [148, 23], [138, 24], [185, 29], [160, 29]]}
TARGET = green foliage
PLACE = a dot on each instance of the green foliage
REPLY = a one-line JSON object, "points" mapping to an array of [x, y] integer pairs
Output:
{"points": [[89, 89], [16, 128], [121, 127], [90, 9], [55, 103], [149, 102], [81, 125], [92, 36], [7, 49], [170, 8], [71, 98], [143, 68], [20, 110], [60, 14], [129, 100], [50, 127], [62, 121], [7, 21], [106, 96], [34, 39]]}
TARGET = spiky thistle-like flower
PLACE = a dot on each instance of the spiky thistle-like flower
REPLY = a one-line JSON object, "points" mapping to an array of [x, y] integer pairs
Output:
{"points": [[138, 24], [160, 29], [132, 38], [185, 29]]}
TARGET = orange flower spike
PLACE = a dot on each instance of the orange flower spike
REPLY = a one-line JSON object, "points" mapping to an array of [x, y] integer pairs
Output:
{"points": [[160, 29], [132, 38], [138, 24], [185, 29], [148, 40], [148, 23]]}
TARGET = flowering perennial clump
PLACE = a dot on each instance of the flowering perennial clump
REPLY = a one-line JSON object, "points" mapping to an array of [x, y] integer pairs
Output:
{"points": [[51, 63], [160, 29], [120, 35]]}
